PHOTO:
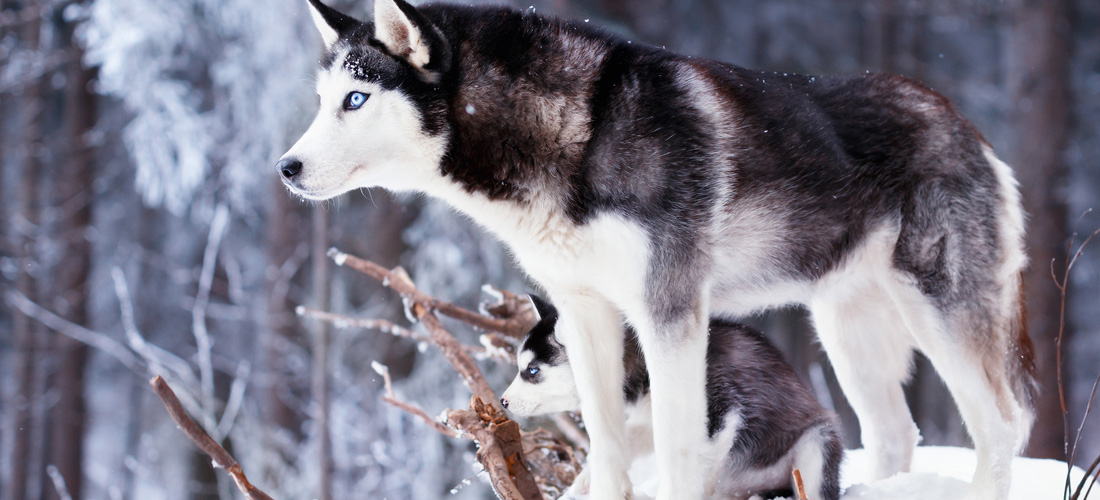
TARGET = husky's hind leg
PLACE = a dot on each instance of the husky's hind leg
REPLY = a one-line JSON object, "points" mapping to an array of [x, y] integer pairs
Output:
{"points": [[870, 352], [972, 358]]}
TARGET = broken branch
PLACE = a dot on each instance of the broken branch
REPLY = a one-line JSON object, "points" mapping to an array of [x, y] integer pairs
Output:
{"points": [[798, 484]]}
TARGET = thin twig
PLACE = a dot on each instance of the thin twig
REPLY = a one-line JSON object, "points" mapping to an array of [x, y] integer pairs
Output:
{"points": [[1062, 285], [391, 398], [1095, 476], [515, 327], [159, 360], [1084, 418], [203, 344], [234, 401], [98, 340], [345, 321], [222, 459]]}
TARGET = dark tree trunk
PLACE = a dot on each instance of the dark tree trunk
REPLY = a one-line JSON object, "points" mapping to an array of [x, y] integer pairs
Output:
{"points": [[26, 332], [73, 201], [284, 237], [1038, 85]]}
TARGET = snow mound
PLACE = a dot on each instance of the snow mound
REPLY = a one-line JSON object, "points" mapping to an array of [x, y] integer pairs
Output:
{"points": [[943, 473], [938, 472]]}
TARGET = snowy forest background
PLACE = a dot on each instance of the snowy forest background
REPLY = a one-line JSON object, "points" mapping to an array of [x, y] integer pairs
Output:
{"points": [[140, 204]]}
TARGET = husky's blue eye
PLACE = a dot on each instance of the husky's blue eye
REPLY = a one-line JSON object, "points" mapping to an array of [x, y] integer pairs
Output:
{"points": [[532, 370], [354, 100]]}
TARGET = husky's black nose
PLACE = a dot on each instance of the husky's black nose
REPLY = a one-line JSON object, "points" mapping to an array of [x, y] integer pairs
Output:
{"points": [[504, 403], [289, 167]]}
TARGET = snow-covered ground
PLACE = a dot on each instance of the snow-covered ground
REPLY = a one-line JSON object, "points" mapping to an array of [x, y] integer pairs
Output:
{"points": [[938, 473], [943, 473]]}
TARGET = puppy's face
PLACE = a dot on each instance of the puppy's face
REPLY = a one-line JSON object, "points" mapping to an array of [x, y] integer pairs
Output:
{"points": [[545, 381]]}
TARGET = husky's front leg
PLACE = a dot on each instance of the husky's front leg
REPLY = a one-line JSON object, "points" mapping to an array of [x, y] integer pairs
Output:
{"points": [[591, 329], [674, 341]]}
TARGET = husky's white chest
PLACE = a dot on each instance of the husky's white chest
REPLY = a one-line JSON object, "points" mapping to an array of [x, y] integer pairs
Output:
{"points": [[608, 254]]}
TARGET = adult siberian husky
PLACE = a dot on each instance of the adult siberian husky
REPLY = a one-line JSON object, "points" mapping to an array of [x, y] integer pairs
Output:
{"points": [[762, 422], [631, 181]]}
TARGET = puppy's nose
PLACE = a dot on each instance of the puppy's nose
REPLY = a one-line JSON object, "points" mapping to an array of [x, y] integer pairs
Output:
{"points": [[504, 402], [289, 167]]}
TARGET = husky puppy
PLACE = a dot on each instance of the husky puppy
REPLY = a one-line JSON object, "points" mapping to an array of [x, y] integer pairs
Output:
{"points": [[762, 422], [633, 182]]}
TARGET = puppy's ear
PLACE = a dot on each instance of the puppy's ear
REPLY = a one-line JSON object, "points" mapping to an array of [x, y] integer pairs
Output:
{"points": [[408, 35], [544, 309], [330, 22]]}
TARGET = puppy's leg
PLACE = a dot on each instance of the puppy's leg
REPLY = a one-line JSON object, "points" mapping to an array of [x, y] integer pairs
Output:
{"points": [[591, 329], [870, 352], [817, 457], [674, 341]]}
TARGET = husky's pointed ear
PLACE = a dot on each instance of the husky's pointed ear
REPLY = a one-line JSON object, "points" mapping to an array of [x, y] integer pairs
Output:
{"points": [[408, 35], [330, 22], [543, 308]]}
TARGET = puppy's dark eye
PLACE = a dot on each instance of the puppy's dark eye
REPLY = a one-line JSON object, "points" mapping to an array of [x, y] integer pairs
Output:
{"points": [[532, 370], [355, 99]]}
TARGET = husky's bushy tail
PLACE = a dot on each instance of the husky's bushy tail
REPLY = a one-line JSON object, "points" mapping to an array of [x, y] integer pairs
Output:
{"points": [[1021, 352]]}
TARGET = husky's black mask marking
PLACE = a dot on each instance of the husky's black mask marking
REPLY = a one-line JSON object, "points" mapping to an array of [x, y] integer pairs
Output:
{"points": [[540, 340]]}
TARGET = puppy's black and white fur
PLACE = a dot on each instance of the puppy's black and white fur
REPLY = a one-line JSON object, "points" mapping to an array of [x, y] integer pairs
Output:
{"points": [[633, 181], [762, 422]]}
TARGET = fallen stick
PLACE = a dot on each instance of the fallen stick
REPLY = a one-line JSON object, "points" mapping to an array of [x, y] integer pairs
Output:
{"points": [[798, 484]]}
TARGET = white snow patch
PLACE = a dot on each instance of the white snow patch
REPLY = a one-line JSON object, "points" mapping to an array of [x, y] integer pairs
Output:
{"points": [[938, 472]]}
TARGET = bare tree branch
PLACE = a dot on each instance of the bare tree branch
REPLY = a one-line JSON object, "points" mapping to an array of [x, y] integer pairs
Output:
{"points": [[198, 314], [222, 458], [100, 341], [515, 326], [233, 403], [503, 448]]}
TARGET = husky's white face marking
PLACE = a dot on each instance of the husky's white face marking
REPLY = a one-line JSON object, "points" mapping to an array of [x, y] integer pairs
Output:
{"points": [[541, 388], [377, 141], [380, 143]]}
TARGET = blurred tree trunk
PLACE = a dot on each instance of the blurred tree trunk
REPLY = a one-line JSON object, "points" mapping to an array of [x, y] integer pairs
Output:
{"points": [[320, 330], [284, 237], [73, 200], [23, 231], [1038, 85]]}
